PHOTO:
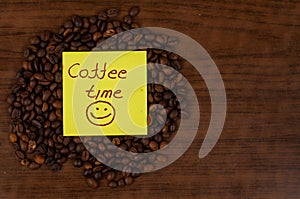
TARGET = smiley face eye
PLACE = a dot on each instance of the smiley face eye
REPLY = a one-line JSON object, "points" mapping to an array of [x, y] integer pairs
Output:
{"points": [[97, 109], [105, 109]]}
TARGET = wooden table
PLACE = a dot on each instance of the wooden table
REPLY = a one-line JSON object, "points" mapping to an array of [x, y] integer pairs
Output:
{"points": [[256, 46]]}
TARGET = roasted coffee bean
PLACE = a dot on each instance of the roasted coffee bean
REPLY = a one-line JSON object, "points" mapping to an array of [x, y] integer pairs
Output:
{"points": [[24, 162], [72, 155], [23, 145], [55, 167], [13, 137], [57, 104], [125, 26], [98, 175], [92, 182], [87, 165], [173, 114], [134, 11], [66, 141], [111, 176], [57, 156], [57, 38], [87, 172], [127, 19], [64, 151], [40, 159], [79, 148], [78, 163], [31, 145], [77, 20], [112, 12], [153, 145], [121, 182], [20, 154], [102, 16], [109, 33], [16, 114], [129, 180], [112, 184], [85, 155], [45, 35], [77, 140], [34, 165]]}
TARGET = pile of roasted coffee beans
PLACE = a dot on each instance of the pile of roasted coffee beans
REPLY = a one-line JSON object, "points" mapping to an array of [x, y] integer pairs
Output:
{"points": [[35, 103]]}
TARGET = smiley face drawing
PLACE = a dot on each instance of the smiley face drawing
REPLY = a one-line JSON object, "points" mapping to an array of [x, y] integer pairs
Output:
{"points": [[100, 113]]}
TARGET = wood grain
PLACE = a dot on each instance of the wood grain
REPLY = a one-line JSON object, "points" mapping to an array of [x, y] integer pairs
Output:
{"points": [[256, 46]]}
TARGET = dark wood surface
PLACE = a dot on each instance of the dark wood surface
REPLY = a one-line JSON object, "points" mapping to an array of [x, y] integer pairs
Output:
{"points": [[255, 45]]}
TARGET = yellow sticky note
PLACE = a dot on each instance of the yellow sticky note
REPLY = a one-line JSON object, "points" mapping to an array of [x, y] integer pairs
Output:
{"points": [[104, 93]]}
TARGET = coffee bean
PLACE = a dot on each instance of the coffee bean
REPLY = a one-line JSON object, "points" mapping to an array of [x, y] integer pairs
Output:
{"points": [[34, 165], [77, 140], [127, 19], [64, 151], [31, 145], [13, 137], [173, 114], [45, 107], [55, 167], [16, 114], [83, 48], [112, 184], [153, 145], [158, 88], [97, 36], [157, 97], [129, 180], [93, 19], [45, 35], [102, 16], [92, 182], [85, 155], [121, 182], [77, 20], [36, 123], [77, 163], [97, 171], [87, 165], [24, 162], [57, 104], [163, 144], [39, 159], [23, 146], [125, 26], [112, 12], [57, 38], [24, 138], [58, 77], [46, 95], [87, 172], [20, 154], [134, 11], [109, 33], [111, 176]]}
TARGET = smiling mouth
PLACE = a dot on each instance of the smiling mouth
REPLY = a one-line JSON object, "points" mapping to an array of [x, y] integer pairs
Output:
{"points": [[99, 117]]}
